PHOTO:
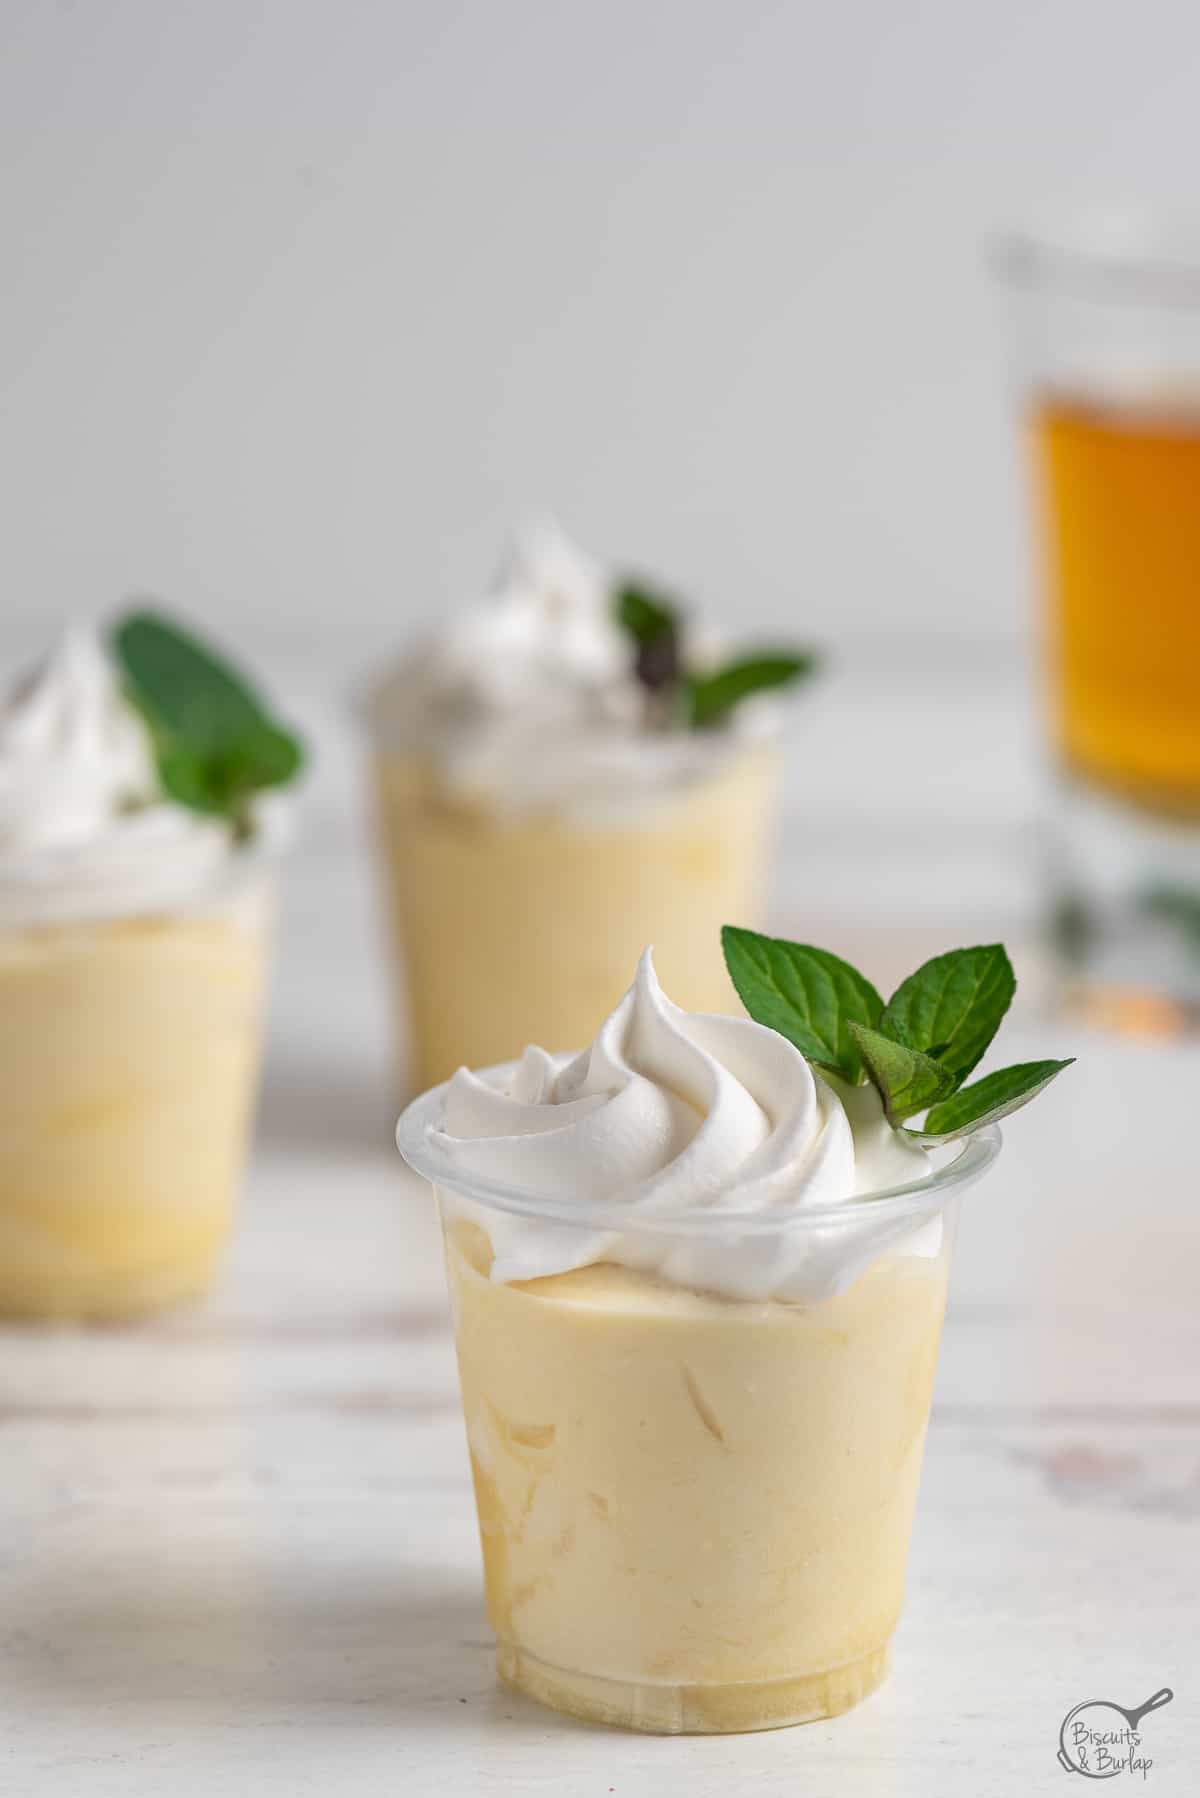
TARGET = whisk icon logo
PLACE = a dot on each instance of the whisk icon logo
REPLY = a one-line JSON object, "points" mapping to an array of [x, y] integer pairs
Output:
{"points": [[1100, 1739]]}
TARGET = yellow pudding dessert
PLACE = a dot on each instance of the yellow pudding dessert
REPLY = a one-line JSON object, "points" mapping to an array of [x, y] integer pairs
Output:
{"points": [[697, 1285], [515, 929], [129, 1052], [698, 1272], [135, 888], [558, 781], [694, 1511]]}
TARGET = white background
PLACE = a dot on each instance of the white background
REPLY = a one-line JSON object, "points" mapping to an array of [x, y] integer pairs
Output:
{"points": [[305, 301]]}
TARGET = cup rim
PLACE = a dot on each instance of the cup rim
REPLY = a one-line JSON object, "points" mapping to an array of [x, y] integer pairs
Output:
{"points": [[972, 1155], [1119, 256]]}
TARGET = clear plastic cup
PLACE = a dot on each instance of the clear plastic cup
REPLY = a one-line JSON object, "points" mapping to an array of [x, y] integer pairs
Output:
{"points": [[695, 1510], [514, 928], [129, 1058]]}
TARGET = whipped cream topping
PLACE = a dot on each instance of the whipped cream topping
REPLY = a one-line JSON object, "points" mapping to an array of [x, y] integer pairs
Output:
{"points": [[673, 1110], [529, 698], [84, 829]]}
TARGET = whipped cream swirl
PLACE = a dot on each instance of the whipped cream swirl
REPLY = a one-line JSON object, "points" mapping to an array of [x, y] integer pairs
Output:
{"points": [[84, 829], [529, 698], [673, 1110]]}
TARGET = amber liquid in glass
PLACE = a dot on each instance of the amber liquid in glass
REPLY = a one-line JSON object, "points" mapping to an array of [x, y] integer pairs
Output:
{"points": [[1120, 492]]}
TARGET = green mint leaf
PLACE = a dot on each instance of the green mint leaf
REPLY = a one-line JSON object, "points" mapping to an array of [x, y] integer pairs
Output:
{"points": [[952, 1007], [907, 1080], [806, 994], [645, 614], [188, 780], [270, 758], [223, 784], [711, 697], [995, 1096], [214, 743], [184, 690]]}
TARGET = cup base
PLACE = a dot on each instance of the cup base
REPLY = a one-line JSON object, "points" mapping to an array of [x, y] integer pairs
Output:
{"points": [[1125, 910], [666, 1710], [117, 1299]]}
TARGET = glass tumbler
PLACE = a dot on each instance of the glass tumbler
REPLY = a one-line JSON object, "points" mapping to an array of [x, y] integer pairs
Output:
{"points": [[1106, 322], [695, 1510]]}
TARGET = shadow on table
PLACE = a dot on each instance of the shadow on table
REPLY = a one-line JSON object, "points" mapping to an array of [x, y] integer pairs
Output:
{"points": [[231, 1654], [316, 1108]]}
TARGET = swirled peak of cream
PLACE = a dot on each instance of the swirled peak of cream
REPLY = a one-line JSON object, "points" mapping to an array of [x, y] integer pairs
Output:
{"points": [[670, 1110], [528, 698], [84, 829]]}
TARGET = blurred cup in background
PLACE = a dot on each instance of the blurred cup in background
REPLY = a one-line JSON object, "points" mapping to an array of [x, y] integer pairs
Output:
{"points": [[129, 1053], [552, 797], [1107, 328], [514, 929], [137, 874]]}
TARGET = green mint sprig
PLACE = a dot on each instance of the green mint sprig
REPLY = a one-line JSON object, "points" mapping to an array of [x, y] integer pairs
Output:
{"points": [[917, 1050], [698, 699], [651, 620], [215, 744]]}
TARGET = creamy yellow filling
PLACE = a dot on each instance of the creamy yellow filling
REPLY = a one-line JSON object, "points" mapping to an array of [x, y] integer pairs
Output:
{"points": [[678, 1490], [128, 1055], [516, 929]]}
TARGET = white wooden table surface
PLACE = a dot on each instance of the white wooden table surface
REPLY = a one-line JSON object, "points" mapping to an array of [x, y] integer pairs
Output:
{"points": [[237, 1547]]}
